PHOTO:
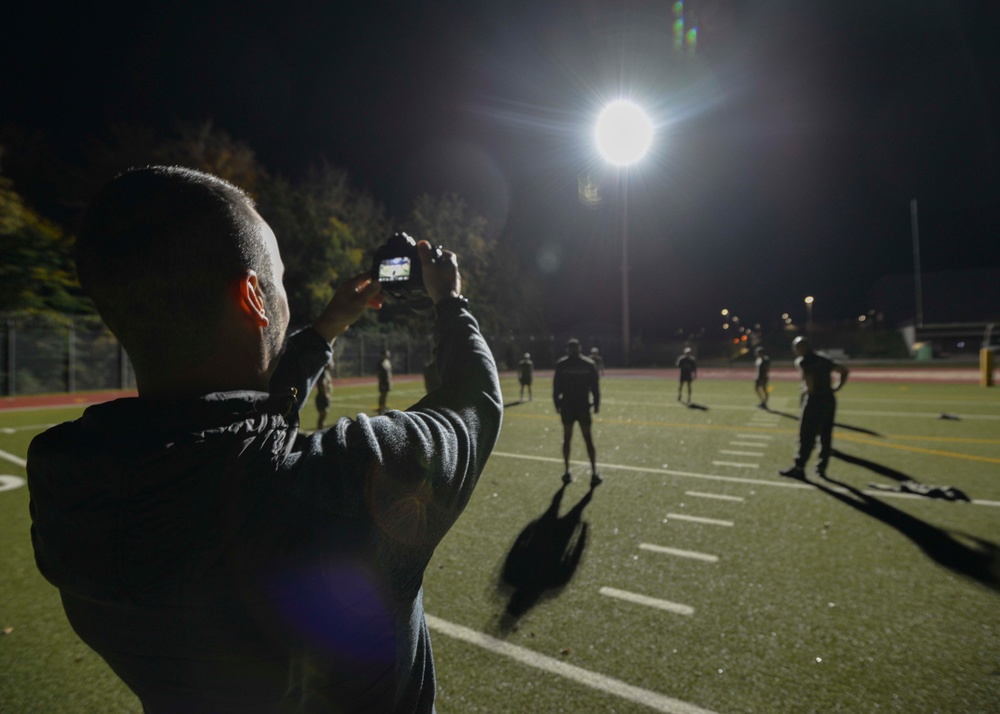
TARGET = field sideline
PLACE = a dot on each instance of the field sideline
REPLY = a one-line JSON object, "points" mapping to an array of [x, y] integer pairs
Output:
{"points": [[695, 578]]}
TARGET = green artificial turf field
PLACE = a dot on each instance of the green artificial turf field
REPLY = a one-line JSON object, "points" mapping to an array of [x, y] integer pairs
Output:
{"points": [[705, 582]]}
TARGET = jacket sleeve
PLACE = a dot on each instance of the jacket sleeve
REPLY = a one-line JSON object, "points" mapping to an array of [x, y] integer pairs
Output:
{"points": [[595, 388], [413, 471], [301, 365]]}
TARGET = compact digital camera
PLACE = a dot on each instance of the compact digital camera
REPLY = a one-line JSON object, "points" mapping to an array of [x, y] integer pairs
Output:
{"points": [[397, 267]]}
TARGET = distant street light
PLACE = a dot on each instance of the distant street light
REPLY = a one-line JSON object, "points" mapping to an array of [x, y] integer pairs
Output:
{"points": [[809, 313], [623, 135]]}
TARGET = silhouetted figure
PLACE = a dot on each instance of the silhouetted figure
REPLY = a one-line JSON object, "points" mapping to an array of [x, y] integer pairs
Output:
{"points": [[762, 369], [324, 390], [525, 374], [595, 355], [546, 554], [384, 371], [689, 372], [573, 383], [818, 406]]}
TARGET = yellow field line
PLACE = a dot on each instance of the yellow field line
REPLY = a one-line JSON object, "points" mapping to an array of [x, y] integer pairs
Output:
{"points": [[917, 449]]}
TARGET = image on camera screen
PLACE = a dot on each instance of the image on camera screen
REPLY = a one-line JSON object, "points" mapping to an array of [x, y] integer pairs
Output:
{"points": [[394, 270]]}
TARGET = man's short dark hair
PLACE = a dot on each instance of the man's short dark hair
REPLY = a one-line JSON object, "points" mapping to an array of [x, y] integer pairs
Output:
{"points": [[156, 251]]}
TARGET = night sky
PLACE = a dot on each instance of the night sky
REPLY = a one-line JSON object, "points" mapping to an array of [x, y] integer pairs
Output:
{"points": [[789, 143]]}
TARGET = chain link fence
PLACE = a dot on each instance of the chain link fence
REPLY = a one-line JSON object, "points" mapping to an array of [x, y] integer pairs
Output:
{"points": [[41, 354]]}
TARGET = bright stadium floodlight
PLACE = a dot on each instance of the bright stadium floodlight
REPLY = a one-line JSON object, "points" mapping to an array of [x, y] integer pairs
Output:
{"points": [[624, 133]]}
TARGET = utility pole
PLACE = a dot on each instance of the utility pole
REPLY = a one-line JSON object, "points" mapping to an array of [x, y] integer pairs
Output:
{"points": [[916, 263]]}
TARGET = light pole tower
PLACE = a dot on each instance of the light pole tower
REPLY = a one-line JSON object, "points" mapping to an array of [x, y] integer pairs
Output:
{"points": [[623, 134]]}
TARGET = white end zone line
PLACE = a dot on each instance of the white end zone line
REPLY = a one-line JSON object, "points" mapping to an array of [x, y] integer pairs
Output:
{"points": [[693, 555], [731, 452], [638, 599], [736, 464], [609, 685]]}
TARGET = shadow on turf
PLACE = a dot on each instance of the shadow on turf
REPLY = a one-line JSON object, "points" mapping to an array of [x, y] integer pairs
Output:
{"points": [[880, 469], [796, 417], [961, 553], [543, 559], [694, 405]]}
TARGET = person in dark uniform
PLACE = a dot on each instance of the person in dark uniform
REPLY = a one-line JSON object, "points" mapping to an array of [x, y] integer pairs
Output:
{"points": [[324, 390], [598, 360], [818, 406], [762, 365], [573, 383], [525, 373], [689, 371], [384, 371]]}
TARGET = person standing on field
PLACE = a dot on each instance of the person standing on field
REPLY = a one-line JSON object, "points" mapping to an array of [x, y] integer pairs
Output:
{"points": [[324, 390], [574, 382], [384, 371], [689, 371], [525, 374], [762, 369], [819, 406]]}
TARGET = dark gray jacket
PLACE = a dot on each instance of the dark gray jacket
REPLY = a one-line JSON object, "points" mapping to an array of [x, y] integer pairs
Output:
{"points": [[221, 561]]}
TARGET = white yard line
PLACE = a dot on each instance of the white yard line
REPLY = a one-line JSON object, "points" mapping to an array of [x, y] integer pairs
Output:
{"points": [[9, 483], [736, 464], [716, 496], [784, 483], [615, 687], [754, 436], [13, 459], [28, 427], [693, 555], [747, 443], [699, 519], [731, 452], [673, 607]]}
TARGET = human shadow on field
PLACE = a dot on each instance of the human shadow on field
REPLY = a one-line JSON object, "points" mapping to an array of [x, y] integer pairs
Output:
{"points": [[515, 403], [694, 405], [880, 469], [543, 559], [907, 484], [837, 424], [961, 553]]}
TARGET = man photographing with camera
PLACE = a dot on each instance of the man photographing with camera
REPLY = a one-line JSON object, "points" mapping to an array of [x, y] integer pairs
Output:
{"points": [[218, 559]]}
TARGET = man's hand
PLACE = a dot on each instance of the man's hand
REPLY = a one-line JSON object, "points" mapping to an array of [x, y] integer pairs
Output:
{"points": [[347, 305], [441, 278]]}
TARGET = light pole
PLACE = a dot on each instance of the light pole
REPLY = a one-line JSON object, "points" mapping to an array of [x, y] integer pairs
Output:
{"points": [[623, 135], [809, 314]]}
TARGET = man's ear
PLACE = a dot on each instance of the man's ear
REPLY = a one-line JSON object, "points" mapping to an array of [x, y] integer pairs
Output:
{"points": [[251, 298]]}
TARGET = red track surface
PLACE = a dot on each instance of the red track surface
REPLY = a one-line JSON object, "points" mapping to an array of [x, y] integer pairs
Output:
{"points": [[943, 375]]}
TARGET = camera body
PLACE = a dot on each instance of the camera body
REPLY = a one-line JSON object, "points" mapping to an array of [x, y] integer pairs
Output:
{"points": [[397, 267]]}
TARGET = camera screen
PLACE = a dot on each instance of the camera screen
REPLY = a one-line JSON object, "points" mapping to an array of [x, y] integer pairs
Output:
{"points": [[394, 270]]}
